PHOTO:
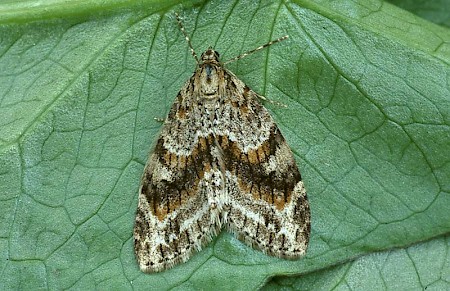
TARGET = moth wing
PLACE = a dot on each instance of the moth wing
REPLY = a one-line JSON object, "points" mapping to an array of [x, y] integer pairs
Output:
{"points": [[269, 209], [174, 218]]}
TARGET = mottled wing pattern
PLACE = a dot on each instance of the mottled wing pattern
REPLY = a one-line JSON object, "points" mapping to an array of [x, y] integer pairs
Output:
{"points": [[220, 161], [268, 204], [174, 218]]}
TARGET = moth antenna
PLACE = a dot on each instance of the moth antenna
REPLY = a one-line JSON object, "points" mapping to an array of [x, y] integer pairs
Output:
{"points": [[180, 24], [256, 49]]}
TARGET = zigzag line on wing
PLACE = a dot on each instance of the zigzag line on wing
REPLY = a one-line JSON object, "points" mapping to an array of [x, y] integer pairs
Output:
{"points": [[162, 243], [269, 172], [171, 180]]}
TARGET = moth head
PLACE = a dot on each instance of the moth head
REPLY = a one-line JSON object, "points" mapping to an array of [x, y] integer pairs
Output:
{"points": [[210, 56]]}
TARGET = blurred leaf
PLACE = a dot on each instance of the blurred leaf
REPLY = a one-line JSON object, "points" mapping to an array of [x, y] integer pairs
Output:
{"points": [[437, 11]]}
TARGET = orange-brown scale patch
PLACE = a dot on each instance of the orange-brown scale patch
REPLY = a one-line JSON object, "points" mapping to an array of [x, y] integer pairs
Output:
{"points": [[244, 109], [181, 113], [192, 191], [201, 144], [235, 150], [161, 210], [184, 196], [256, 194], [244, 158], [191, 158], [167, 157], [181, 162], [249, 187], [206, 167], [262, 192], [174, 203], [224, 142], [173, 161], [262, 150], [244, 186], [279, 200], [267, 194], [252, 157]]}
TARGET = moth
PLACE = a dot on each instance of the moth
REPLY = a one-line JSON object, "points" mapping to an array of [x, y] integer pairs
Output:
{"points": [[220, 162]]}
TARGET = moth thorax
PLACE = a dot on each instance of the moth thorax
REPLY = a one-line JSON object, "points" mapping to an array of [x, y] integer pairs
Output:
{"points": [[210, 80]]}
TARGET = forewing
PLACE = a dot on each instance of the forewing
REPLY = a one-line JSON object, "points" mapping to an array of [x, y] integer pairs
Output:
{"points": [[269, 209], [174, 218]]}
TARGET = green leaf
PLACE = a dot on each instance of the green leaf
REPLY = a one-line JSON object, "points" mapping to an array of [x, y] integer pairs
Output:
{"points": [[366, 85], [424, 266]]}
